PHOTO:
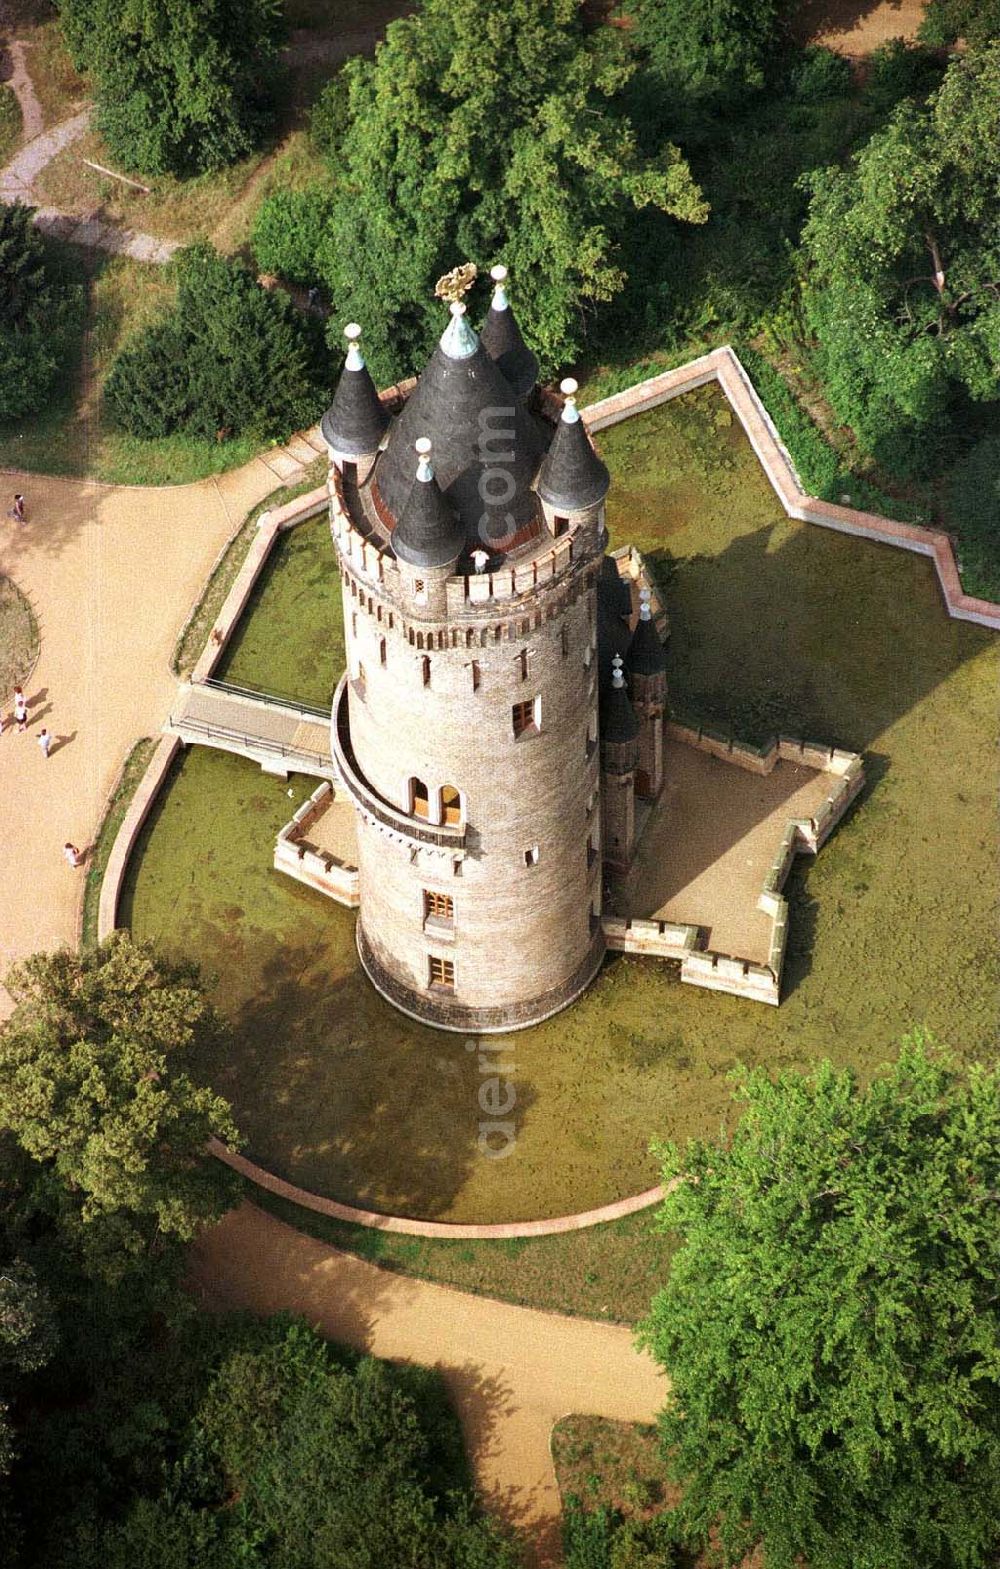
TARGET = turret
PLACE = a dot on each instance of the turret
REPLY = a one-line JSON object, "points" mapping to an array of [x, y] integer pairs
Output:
{"points": [[572, 481], [356, 421], [619, 754], [646, 663], [429, 537], [502, 340]]}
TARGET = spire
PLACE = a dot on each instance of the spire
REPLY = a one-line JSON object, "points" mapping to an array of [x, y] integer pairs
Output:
{"points": [[428, 533], [572, 476], [355, 422], [619, 723], [458, 340], [646, 654], [502, 340]]}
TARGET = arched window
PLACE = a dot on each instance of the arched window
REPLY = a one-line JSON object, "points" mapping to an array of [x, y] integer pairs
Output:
{"points": [[451, 805], [418, 799]]}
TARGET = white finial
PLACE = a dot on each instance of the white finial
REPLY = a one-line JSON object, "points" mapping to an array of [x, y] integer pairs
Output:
{"points": [[617, 679], [423, 446], [352, 333], [569, 389], [458, 339], [645, 613], [500, 301]]}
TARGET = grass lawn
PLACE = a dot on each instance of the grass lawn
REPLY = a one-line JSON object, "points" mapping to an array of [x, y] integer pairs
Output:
{"points": [[18, 639], [607, 1272], [773, 621], [10, 122], [617, 1464]]}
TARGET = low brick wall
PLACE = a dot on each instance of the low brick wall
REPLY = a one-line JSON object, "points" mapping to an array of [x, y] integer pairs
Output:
{"points": [[723, 365], [145, 795], [702, 966], [446, 1230], [321, 871]]}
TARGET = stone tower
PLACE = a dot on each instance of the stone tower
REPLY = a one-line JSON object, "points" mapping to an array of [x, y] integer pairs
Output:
{"points": [[470, 538]]}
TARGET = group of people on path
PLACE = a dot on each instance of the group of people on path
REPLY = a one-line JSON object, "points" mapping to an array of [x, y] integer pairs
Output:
{"points": [[74, 856]]}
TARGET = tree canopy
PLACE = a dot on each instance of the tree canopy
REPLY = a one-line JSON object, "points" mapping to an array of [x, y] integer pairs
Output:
{"points": [[230, 358], [903, 254], [831, 1326], [95, 1088], [710, 48], [484, 133], [36, 311], [181, 85]]}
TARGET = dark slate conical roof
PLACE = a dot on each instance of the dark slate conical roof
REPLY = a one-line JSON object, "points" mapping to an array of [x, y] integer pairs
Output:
{"points": [[356, 421], [464, 404], [646, 655], [572, 476], [619, 723], [502, 340], [428, 533]]}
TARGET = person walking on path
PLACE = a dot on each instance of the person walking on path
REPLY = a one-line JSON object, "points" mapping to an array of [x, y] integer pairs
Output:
{"points": [[73, 856], [44, 741], [20, 709], [17, 510]]}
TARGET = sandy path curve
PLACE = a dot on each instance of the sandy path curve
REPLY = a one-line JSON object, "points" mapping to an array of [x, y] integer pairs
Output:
{"points": [[111, 572], [511, 1371]]}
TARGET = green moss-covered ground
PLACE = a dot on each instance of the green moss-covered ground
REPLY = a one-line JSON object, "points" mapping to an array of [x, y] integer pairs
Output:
{"points": [[290, 639], [773, 622]]}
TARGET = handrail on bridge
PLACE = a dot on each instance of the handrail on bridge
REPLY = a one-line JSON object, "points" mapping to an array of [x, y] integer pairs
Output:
{"points": [[250, 742], [270, 699]]}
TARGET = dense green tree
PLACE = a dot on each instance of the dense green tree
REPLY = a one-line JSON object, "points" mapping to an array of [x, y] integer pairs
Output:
{"points": [[973, 509], [181, 85], [484, 132], [903, 253], [36, 313], [946, 21], [288, 232], [94, 1087], [331, 1465], [831, 1325], [231, 358], [709, 48]]}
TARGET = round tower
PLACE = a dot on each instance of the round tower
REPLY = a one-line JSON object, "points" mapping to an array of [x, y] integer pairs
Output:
{"points": [[466, 729]]}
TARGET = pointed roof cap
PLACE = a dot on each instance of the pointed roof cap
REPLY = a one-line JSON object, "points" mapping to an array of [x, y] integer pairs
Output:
{"points": [[619, 723], [428, 533], [502, 340], [646, 654], [572, 476], [487, 446], [355, 422]]}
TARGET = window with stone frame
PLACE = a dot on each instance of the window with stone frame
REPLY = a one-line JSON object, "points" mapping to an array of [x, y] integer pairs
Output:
{"points": [[526, 717], [441, 972], [439, 907]]}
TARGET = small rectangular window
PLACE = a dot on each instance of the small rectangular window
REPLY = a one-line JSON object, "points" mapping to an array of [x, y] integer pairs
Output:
{"points": [[354, 623], [441, 906], [531, 856], [441, 973], [419, 586], [564, 640], [559, 526], [524, 663], [477, 676], [381, 651], [425, 670], [525, 716]]}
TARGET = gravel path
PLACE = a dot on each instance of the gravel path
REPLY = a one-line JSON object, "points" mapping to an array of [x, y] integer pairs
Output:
{"points": [[512, 1372]]}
